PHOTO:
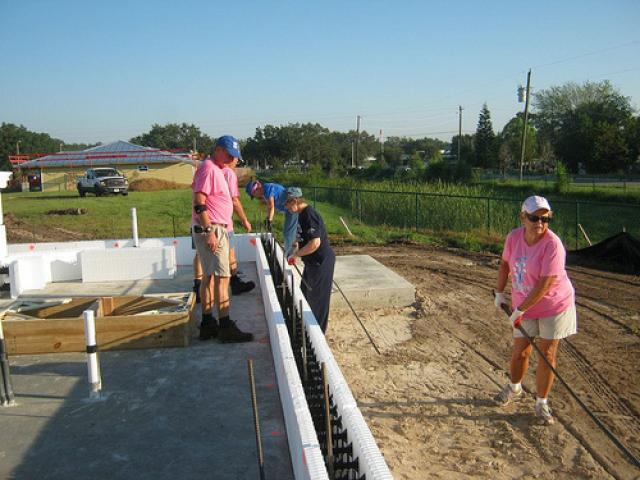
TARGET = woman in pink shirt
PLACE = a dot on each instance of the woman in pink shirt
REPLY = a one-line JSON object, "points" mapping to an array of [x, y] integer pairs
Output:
{"points": [[542, 298]]}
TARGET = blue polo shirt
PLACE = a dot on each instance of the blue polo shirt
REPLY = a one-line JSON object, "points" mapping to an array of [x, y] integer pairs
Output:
{"points": [[277, 192]]}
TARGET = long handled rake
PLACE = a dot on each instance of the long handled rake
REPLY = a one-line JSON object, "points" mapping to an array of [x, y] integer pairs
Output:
{"points": [[602, 426]]}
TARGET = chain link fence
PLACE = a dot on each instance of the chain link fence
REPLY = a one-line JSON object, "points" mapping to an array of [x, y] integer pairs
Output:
{"points": [[573, 221]]}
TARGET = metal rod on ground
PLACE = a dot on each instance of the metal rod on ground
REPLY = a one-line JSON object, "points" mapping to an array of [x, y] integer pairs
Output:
{"points": [[327, 419], [6, 392], [93, 367], [134, 227], [602, 426], [357, 317], [586, 237], [256, 419]]}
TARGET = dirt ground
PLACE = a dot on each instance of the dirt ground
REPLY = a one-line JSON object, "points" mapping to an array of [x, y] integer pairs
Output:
{"points": [[428, 396]]}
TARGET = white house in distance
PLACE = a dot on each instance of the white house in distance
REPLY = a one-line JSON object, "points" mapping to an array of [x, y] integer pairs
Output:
{"points": [[59, 171]]}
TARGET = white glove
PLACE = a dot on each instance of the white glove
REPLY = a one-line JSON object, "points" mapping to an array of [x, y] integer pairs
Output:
{"points": [[516, 317], [500, 299]]}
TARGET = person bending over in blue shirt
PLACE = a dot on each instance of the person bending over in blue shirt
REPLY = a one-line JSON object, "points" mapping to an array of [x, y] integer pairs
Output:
{"points": [[274, 196]]}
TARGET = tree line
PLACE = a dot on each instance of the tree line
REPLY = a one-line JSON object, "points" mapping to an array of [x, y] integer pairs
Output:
{"points": [[588, 128]]}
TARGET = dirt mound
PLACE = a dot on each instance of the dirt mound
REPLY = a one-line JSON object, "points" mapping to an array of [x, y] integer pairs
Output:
{"points": [[153, 184]]}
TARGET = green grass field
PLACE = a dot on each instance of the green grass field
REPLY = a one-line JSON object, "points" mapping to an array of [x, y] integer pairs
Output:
{"points": [[434, 214]]}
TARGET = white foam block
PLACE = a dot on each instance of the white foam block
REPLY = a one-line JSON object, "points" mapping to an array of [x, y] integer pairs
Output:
{"points": [[28, 273], [117, 264]]}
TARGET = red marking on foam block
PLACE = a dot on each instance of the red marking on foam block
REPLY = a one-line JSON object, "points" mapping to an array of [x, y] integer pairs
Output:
{"points": [[32, 247], [304, 459], [252, 241], [175, 242], [264, 340], [270, 386], [116, 245], [276, 433]]}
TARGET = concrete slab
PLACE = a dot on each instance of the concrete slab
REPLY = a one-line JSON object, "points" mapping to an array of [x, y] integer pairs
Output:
{"points": [[165, 413], [369, 284]]}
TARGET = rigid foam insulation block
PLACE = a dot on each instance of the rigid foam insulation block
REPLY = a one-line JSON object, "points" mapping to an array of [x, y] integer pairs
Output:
{"points": [[28, 273], [304, 448], [117, 264], [371, 461]]}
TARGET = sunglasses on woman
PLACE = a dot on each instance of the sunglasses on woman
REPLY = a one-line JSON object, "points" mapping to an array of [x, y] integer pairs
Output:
{"points": [[535, 218]]}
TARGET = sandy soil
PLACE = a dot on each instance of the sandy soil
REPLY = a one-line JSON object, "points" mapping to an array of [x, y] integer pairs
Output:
{"points": [[428, 397]]}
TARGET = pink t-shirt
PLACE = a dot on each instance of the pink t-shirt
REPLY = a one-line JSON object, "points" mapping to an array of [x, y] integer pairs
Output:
{"points": [[528, 263], [210, 180], [232, 180]]}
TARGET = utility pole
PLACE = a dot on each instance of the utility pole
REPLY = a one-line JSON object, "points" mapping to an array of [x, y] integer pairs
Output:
{"points": [[459, 129], [18, 147], [195, 145], [381, 145], [524, 126], [353, 146], [357, 137]]}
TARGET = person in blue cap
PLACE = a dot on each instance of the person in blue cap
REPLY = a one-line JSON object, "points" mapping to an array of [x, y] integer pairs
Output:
{"points": [[212, 212], [274, 195], [316, 253]]}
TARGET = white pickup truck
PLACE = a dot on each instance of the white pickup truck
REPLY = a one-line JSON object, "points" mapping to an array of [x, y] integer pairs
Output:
{"points": [[101, 181]]}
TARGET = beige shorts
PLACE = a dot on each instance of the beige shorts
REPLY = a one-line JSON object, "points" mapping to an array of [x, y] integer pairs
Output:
{"points": [[555, 327], [213, 263]]}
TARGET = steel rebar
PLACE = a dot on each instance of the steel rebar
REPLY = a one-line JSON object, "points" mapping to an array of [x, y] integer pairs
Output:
{"points": [[256, 419]]}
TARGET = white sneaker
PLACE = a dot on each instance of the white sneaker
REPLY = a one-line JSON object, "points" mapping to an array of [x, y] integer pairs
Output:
{"points": [[543, 412], [507, 395]]}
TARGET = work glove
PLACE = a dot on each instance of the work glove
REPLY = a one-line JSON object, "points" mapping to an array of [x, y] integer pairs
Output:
{"points": [[516, 317], [500, 299], [267, 225]]}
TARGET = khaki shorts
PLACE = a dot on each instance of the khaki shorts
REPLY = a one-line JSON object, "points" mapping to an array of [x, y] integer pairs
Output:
{"points": [[555, 327], [214, 263]]}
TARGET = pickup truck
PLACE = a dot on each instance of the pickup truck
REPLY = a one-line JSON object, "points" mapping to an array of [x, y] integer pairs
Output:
{"points": [[100, 181]]}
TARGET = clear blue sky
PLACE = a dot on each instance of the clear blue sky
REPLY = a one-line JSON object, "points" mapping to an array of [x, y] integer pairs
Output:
{"points": [[88, 71]]}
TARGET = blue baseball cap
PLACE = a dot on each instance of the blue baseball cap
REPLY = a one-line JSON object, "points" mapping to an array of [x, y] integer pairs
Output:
{"points": [[230, 144], [250, 188]]}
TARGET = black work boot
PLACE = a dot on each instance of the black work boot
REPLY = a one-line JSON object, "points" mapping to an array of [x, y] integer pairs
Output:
{"points": [[196, 288], [208, 327], [238, 286], [230, 333]]}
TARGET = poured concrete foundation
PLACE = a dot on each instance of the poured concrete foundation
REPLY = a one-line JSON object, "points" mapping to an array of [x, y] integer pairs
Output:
{"points": [[369, 284], [165, 413]]}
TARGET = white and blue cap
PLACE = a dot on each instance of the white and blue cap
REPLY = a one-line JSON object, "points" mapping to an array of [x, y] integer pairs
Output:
{"points": [[535, 203], [230, 144], [293, 192]]}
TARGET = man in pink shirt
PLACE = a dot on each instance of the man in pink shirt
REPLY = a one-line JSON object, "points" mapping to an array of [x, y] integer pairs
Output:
{"points": [[542, 298], [212, 211]]}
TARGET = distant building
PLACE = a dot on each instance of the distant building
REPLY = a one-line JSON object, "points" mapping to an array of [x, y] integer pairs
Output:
{"points": [[59, 171]]}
